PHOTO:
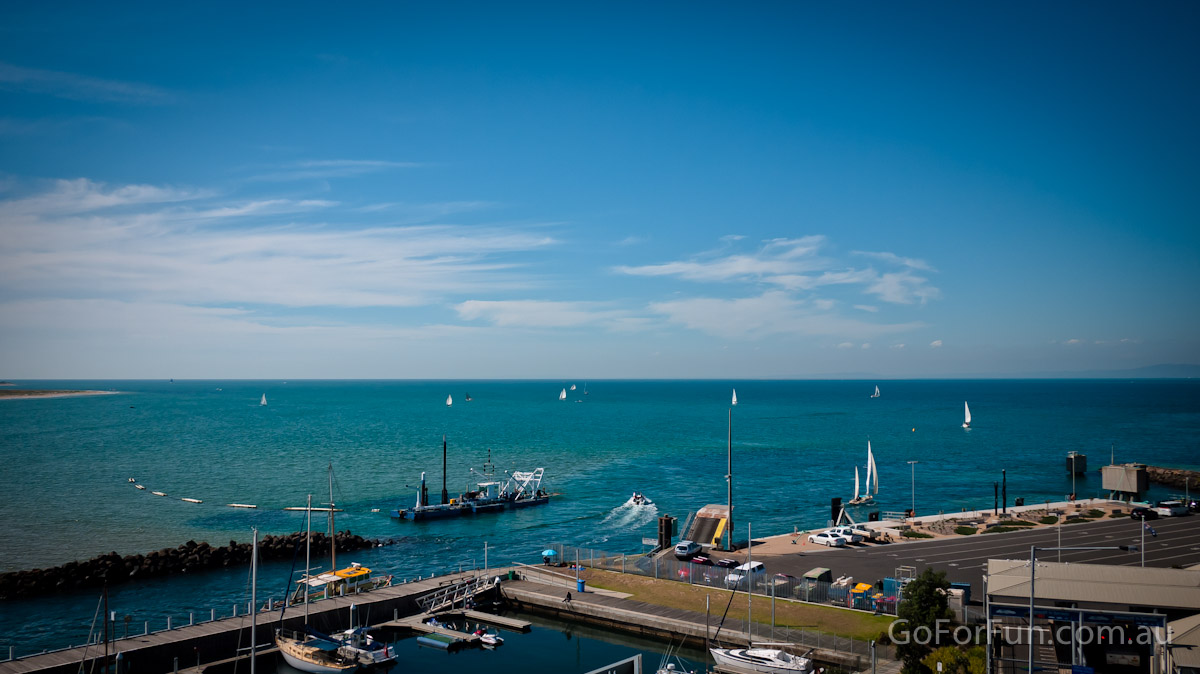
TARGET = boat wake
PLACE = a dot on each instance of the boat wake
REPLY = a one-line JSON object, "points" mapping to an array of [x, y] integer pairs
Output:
{"points": [[631, 514]]}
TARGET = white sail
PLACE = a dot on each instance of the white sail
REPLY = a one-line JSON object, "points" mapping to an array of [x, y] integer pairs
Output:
{"points": [[264, 400], [872, 471], [856, 485], [734, 396], [876, 392], [563, 395], [967, 415], [572, 387], [449, 401]]}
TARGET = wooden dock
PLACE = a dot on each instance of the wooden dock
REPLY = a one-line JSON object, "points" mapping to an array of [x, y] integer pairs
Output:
{"points": [[205, 643]]}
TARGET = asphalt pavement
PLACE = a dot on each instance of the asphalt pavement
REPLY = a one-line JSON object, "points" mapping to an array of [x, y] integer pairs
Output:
{"points": [[964, 558]]}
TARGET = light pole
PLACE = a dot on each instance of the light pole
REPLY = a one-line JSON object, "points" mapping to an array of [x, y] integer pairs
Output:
{"points": [[1033, 574], [913, 469]]}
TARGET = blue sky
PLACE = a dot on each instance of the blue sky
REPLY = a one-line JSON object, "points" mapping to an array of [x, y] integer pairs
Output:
{"points": [[460, 190]]}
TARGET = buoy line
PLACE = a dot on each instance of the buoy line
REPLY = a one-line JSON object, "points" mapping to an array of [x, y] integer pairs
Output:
{"points": [[135, 483]]}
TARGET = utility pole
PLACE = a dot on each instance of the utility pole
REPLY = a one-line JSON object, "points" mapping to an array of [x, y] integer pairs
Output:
{"points": [[913, 466], [729, 483]]}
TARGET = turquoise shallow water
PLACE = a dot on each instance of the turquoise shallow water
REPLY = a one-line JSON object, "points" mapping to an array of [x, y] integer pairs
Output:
{"points": [[67, 462]]}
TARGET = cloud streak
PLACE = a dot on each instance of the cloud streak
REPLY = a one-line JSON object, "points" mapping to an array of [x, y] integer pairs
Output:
{"points": [[80, 87]]}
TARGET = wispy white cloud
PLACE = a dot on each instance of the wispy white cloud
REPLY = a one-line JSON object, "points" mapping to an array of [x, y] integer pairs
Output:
{"points": [[935, 344], [846, 345], [141, 243], [898, 347], [547, 314], [80, 87], [631, 240], [1073, 342], [797, 265], [315, 169], [903, 288], [867, 307], [771, 313], [892, 258]]}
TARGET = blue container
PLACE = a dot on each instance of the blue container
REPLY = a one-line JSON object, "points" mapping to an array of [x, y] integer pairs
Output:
{"points": [[579, 584], [965, 587]]}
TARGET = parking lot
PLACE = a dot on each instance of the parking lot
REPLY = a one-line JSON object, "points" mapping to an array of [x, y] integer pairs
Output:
{"points": [[964, 558]]}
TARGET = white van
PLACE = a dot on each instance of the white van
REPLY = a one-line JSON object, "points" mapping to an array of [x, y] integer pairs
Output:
{"points": [[1171, 508], [748, 573]]}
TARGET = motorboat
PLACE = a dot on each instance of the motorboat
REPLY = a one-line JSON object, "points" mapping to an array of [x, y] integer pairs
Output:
{"points": [[489, 639], [763, 660], [640, 499]]}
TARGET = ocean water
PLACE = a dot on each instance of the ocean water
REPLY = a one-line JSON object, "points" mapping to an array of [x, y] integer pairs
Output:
{"points": [[67, 462]]}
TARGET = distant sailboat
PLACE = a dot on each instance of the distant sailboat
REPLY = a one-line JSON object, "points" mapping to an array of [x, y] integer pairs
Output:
{"points": [[264, 400], [734, 397], [572, 387], [585, 388], [468, 397], [876, 392], [967, 415], [563, 395], [449, 401]]}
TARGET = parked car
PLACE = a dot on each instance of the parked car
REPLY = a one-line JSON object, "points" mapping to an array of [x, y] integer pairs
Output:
{"points": [[744, 574], [687, 549], [1171, 508], [1143, 514], [727, 563], [827, 538], [847, 533], [700, 559]]}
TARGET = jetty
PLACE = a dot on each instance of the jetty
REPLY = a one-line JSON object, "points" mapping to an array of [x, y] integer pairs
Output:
{"points": [[215, 641]]}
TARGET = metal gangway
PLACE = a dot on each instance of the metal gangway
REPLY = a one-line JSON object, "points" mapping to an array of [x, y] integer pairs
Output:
{"points": [[458, 591]]}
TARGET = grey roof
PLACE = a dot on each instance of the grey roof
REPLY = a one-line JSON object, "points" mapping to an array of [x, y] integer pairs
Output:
{"points": [[1186, 632], [1101, 583]]}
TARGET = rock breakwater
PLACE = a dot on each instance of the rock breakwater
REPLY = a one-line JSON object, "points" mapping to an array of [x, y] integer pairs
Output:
{"points": [[1174, 477], [191, 557]]}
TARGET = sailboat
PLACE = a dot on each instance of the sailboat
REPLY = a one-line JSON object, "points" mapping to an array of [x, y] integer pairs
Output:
{"points": [[572, 387], [320, 653], [468, 397], [869, 489], [563, 395], [876, 395], [449, 401], [263, 402], [311, 651], [967, 415], [734, 397]]}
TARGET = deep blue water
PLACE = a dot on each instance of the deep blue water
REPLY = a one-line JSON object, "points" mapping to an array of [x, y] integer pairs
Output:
{"points": [[67, 462]]}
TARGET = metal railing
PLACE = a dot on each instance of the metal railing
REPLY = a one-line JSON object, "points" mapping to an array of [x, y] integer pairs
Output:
{"points": [[881, 599]]}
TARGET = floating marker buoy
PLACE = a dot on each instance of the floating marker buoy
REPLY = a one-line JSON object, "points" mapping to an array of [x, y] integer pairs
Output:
{"points": [[914, 430], [191, 500], [139, 486], [241, 505], [158, 493]]}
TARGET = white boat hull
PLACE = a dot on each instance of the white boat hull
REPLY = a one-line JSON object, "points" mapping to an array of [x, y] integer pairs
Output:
{"points": [[762, 660]]}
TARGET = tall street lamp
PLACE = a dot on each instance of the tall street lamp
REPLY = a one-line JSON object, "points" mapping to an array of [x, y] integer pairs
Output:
{"points": [[913, 469], [1033, 574]]}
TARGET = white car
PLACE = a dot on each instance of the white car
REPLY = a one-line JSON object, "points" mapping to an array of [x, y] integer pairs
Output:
{"points": [[827, 538], [749, 572], [847, 533], [687, 549]]}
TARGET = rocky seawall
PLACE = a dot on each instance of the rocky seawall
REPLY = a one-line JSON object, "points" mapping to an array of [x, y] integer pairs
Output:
{"points": [[191, 557], [1175, 477]]}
